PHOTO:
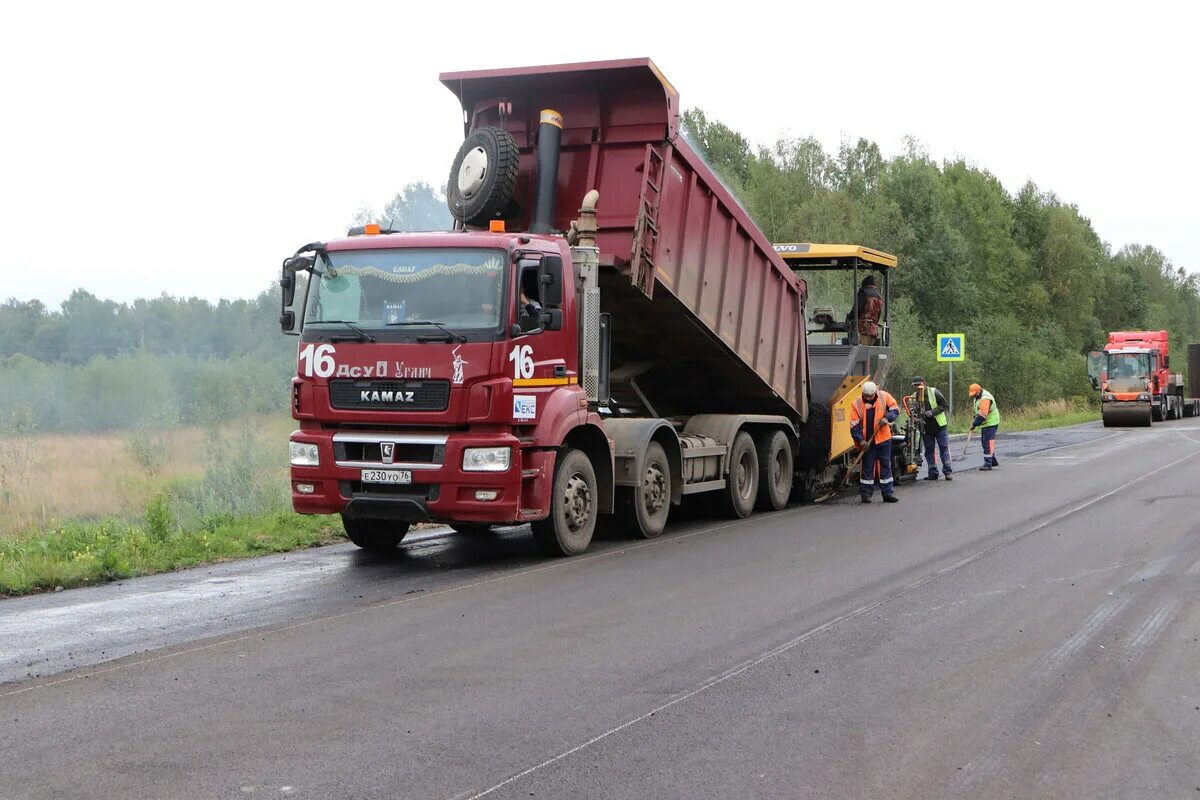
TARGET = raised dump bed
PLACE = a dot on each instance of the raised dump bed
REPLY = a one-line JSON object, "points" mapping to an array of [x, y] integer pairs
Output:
{"points": [[706, 317]]}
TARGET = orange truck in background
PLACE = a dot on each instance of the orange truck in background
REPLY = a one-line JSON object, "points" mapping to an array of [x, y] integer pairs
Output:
{"points": [[1136, 384]]}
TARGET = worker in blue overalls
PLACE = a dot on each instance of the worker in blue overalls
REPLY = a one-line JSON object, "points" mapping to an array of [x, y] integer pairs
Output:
{"points": [[871, 418]]}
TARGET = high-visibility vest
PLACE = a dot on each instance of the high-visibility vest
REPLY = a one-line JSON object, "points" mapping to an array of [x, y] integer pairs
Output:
{"points": [[884, 403], [931, 402], [993, 415]]}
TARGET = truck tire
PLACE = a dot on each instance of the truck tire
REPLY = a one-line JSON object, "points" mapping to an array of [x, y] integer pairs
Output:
{"points": [[483, 177], [375, 535], [814, 437], [644, 508], [738, 497], [568, 530], [1158, 411], [775, 471]]}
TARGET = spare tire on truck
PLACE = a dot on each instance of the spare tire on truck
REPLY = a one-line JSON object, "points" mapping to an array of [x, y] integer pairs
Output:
{"points": [[483, 178]]}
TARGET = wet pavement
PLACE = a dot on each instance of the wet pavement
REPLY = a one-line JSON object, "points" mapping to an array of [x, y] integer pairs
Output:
{"points": [[1030, 632]]}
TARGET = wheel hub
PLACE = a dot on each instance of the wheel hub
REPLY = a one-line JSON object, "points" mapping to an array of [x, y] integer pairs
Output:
{"points": [[743, 476], [654, 489], [472, 172], [578, 503]]}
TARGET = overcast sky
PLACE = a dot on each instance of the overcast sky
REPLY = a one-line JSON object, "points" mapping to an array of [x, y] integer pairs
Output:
{"points": [[188, 149]]}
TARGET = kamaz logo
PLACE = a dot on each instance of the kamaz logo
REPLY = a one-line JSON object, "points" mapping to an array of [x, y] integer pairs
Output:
{"points": [[369, 396]]}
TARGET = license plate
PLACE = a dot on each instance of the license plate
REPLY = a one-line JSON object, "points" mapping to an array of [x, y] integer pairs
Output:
{"points": [[386, 476]]}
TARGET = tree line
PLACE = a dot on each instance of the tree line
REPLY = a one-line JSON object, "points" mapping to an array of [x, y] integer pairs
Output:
{"points": [[1026, 277]]}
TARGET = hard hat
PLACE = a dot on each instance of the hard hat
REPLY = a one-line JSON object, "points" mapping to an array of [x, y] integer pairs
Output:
{"points": [[974, 389], [869, 389], [918, 380]]}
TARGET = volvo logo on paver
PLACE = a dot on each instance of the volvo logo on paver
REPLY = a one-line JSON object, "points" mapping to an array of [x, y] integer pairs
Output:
{"points": [[389, 451]]}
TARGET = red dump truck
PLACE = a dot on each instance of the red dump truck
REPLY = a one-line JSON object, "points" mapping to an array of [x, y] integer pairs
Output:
{"points": [[604, 333], [1137, 386]]}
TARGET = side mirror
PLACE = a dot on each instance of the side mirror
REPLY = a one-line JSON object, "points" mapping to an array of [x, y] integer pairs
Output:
{"points": [[552, 319], [287, 286], [550, 279]]}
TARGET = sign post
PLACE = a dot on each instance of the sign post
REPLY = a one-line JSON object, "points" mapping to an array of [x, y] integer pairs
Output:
{"points": [[951, 347]]}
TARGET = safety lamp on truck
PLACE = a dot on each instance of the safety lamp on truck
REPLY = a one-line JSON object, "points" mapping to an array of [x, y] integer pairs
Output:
{"points": [[486, 459], [305, 455]]}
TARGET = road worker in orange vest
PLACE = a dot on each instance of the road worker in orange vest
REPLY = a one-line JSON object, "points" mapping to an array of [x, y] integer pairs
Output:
{"points": [[871, 418]]}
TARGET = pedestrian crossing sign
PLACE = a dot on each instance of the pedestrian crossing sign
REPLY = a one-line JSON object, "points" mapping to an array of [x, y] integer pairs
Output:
{"points": [[951, 347]]}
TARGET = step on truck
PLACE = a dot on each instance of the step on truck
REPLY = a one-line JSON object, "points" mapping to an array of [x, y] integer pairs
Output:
{"points": [[1137, 387], [604, 333]]}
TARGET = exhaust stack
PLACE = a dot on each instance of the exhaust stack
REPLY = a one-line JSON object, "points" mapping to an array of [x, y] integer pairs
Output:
{"points": [[549, 145]]}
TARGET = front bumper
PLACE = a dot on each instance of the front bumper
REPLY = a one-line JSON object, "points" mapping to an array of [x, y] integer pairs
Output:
{"points": [[440, 489]]}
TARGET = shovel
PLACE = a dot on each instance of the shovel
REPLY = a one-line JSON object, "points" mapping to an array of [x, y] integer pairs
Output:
{"points": [[849, 470], [966, 444]]}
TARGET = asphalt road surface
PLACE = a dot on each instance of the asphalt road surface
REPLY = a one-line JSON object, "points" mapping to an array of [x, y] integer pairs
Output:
{"points": [[1029, 632]]}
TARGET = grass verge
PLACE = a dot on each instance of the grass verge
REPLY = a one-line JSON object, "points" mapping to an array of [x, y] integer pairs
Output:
{"points": [[1050, 414], [83, 553]]}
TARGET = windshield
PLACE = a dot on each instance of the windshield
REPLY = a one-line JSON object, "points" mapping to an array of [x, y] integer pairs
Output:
{"points": [[377, 289], [1127, 372]]}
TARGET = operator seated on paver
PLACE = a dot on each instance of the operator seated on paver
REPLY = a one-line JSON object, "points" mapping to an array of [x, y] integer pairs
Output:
{"points": [[987, 419], [871, 418], [932, 406], [868, 307]]}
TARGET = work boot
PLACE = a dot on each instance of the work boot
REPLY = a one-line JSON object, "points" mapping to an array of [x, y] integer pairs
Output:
{"points": [[995, 463], [949, 477], [891, 498], [864, 499], [931, 477], [986, 467]]}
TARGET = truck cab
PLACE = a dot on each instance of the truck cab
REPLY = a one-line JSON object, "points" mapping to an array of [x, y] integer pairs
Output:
{"points": [[431, 370]]}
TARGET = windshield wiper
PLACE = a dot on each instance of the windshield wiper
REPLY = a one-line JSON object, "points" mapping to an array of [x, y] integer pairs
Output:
{"points": [[454, 337], [363, 336]]}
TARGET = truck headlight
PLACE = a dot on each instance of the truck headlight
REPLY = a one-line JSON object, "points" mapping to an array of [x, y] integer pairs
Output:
{"points": [[305, 455], [1108, 398], [486, 459], [1145, 398]]}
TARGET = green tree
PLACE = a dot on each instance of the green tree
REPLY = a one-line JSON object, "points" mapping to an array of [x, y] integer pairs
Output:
{"points": [[417, 207]]}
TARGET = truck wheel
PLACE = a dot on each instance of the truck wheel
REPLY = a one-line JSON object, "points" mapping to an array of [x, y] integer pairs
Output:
{"points": [[814, 436], [1158, 411], [374, 534], [775, 471], [567, 531], [483, 177], [645, 507], [741, 490]]}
